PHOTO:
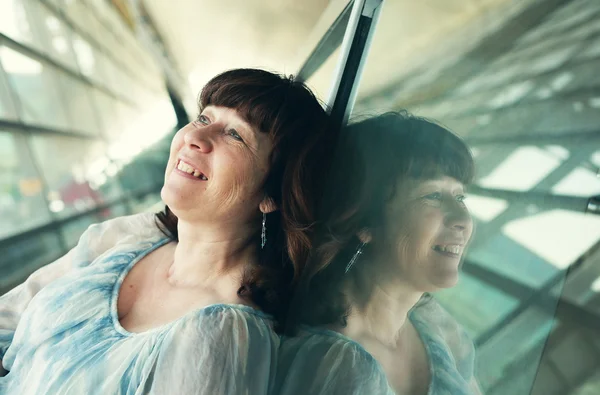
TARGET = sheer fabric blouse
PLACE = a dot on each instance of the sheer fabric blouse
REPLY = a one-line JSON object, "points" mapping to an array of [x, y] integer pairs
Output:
{"points": [[60, 333]]}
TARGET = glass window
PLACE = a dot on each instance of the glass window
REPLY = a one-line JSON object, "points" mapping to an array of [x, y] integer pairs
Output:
{"points": [[87, 58], [108, 111], [320, 82], [79, 106], [149, 203], [17, 23], [72, 230], [80, 15], [22, 203], [464, 303], [531, 102], [36, 86], [78, 179], [58, 36], [20, 258], [8, 110]]}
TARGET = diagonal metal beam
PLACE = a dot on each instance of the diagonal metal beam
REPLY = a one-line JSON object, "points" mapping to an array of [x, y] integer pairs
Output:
{"points": [[330, 41], [565, 139], [543, 200], [541, 297]]}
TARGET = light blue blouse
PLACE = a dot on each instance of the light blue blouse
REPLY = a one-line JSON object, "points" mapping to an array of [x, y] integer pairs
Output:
{"points": [[60, 334], [320, 361]]}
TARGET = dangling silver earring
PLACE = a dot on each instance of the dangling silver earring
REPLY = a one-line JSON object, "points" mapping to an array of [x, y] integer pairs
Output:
{"points": [[263, 234], [358, 252]]}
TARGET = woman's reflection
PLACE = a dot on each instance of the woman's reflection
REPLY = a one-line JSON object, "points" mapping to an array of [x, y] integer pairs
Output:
{"points": [[395, 227]]}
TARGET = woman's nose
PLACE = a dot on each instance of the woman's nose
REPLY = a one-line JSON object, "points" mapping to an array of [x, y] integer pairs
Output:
{"points": [[458, 217], [199, 139]]}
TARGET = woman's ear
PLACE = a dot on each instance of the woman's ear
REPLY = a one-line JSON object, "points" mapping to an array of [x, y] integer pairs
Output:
{"points": [[267, 205], [365, 236]]}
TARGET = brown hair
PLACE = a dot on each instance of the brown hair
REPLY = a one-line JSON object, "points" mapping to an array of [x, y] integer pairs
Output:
{"points": [[372, 157], [302, 138]]}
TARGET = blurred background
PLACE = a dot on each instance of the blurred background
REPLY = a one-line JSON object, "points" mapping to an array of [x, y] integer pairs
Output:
{"points": [[91, 91]]}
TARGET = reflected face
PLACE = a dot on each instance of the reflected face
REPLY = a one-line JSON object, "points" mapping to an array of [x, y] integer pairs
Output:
{"points": [[427, 228], [217, 167]]}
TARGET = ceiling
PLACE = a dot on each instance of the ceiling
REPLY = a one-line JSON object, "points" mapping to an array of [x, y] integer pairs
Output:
{"points": [[206, 37]]}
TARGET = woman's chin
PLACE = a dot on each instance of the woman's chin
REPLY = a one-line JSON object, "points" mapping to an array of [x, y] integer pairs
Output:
{"points": [[173, 199], [442, 281]]}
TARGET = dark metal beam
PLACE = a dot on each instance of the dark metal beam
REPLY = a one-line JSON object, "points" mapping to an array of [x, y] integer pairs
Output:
{"points": [[330, 41], [540, 297], [543, 200], [564, 139], [355, 48], [20, 127], [45, 59]]}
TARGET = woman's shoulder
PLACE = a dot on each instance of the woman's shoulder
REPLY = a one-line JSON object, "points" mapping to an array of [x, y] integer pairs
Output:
{"points": [[136, 224], [229, 320], [329, 347], [322, 361], [221, 348], [101, 238], [129, 227]]}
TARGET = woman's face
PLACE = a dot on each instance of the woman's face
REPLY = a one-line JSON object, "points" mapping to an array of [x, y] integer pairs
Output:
{"points": [[217, 167], [427, 228]]}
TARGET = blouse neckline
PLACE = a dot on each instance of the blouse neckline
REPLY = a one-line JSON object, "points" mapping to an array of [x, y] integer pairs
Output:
{"points": [[139, 254], [423, 336]]}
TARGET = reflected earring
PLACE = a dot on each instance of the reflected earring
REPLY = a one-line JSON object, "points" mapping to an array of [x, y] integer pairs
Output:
{"points": [[263, 233], [358, 252]]}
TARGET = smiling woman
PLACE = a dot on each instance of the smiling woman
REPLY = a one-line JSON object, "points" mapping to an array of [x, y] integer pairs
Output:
{"points": [[394, 228], [186, 301]]}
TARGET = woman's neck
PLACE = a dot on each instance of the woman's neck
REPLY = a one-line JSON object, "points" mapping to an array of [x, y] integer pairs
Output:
{"points": [[205, 255], [379, 308]]}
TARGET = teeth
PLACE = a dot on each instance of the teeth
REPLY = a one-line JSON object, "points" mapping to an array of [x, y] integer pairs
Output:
{"points": [[190, 170], [453, 249]]}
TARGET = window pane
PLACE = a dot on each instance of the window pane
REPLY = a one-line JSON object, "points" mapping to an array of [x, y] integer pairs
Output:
{"points": [[525, 96], [17, 23], [80, 178], [72, 230], [87, 58], [36, 87], [58, 36], [80, 15], [21, 258], [151, 202], [7, 107], [79, 106], [22, 204], [110, 119]]}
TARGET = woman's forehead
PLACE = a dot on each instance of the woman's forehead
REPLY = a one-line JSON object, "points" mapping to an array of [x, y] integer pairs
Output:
{"points": [[408, 186], [441, 180]]}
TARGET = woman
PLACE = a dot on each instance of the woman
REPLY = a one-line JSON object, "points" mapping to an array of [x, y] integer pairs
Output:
{"points": [[394, 228], [185, 301]]}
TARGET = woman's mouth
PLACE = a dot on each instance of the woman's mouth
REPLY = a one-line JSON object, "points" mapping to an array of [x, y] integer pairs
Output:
{"points": [[449, 250], [189, 169]]}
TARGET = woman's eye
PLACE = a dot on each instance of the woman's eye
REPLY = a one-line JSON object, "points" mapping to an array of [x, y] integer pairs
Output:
{"points": [[434, 196], [233, 133], [203, 119], [461, 198]]}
